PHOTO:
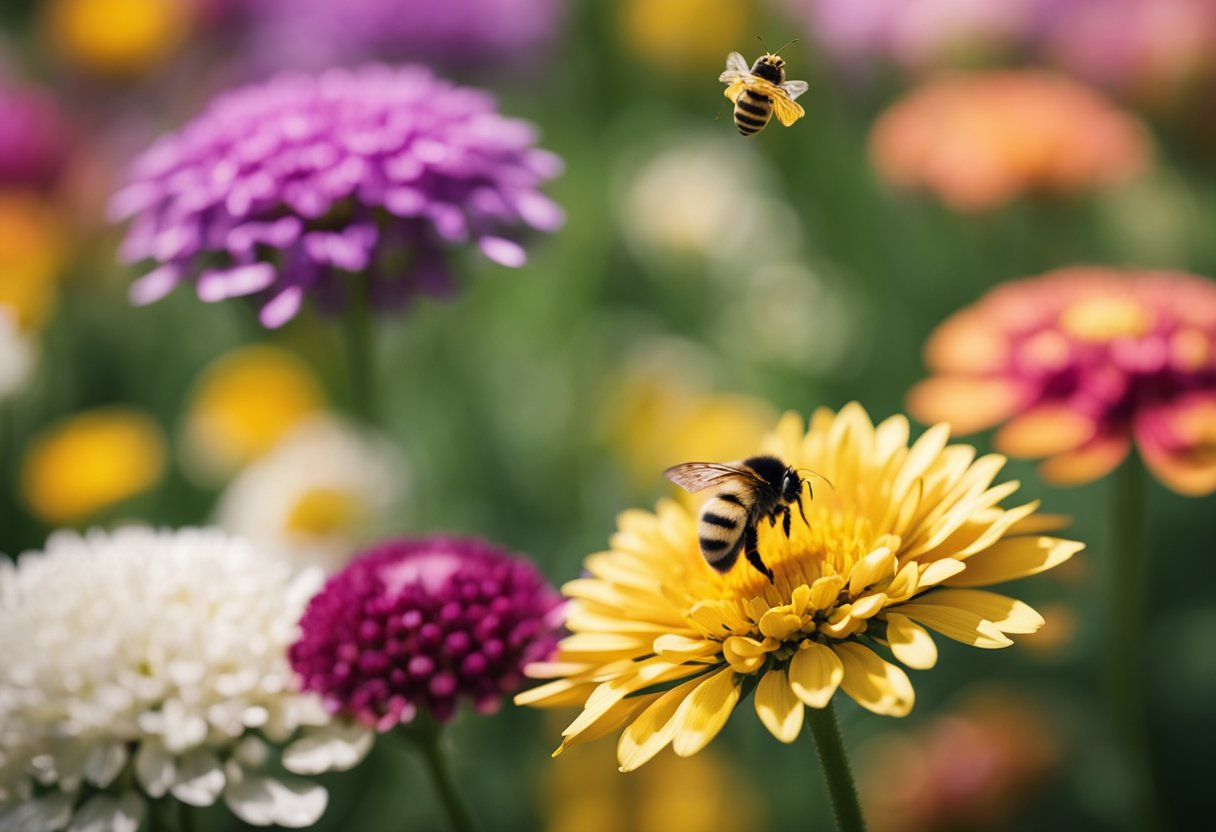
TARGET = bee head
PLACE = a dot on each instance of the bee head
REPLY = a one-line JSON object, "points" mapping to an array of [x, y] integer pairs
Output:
{"points": [[770, 67], [791, 485]]}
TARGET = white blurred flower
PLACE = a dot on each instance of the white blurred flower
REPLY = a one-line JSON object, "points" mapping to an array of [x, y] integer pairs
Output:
{"points": [[317, 495], [16, 354], [706, 199], [138, 664]]}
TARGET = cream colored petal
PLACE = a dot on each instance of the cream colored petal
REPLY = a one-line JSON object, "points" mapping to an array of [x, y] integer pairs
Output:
{"points": [[877, 566], [815, 673], [654, 728], [958, 624], [608, 694], [554, 670], [1013, 558], [910, 642], [1038, 523], [873, 683], [1008, 614], [594, 645], [620, 714], [702, 715], [921, 455], [777, 706]]}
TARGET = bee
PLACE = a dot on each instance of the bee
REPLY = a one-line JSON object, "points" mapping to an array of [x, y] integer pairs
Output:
{"points": [[754, 489], [760, 91]]}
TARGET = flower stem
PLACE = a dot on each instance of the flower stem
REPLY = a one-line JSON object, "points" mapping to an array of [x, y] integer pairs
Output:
{"points": [[360, 352], [1125, 628], [835, 761], [425, 733], [185, 817]]}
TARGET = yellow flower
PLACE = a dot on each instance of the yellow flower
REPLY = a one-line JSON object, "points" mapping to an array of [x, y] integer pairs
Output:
{"points": [[243, 404], [91, 461], [117, 37], [665, 647], [703, 794], [660, 33]]}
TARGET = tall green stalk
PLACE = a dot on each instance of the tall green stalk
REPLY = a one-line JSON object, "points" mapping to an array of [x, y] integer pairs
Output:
{"points": [[425, 733], [835, 761], [1125, 633]]}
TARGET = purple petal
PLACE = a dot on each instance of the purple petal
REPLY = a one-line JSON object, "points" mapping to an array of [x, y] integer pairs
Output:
{"points": [[282, 307], [502, 251], [155, 285]]}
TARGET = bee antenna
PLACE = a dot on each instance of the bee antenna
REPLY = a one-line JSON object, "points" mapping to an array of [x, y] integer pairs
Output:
{"points": [[820, 476], [761, 39], [791, 43]]}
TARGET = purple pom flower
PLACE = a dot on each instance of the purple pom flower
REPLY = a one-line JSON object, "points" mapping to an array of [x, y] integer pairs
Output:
{"points": [[34, 137], [287, 189], [418, 624]]}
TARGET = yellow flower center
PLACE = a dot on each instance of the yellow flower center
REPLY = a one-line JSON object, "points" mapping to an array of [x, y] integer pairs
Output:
{"points": [[321, 512], [1103, 319]]}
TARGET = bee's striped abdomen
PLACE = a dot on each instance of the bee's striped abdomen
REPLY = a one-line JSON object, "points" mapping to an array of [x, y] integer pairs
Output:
{"points": [[720, 530], [752, 112]]}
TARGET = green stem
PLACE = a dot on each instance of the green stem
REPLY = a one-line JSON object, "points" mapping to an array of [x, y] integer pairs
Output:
{"points": [[185, 817], [1125, 631], [425, 733], [360, 353], [835, 761]]}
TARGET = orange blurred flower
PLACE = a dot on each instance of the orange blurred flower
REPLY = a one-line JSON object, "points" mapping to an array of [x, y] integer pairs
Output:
{"points": [[981, 140], [1077, 364], [971, 769], [117, 37], [32, 243]]}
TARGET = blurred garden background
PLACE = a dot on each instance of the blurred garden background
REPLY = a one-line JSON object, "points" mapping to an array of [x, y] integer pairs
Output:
{"points": [[701, 285]]}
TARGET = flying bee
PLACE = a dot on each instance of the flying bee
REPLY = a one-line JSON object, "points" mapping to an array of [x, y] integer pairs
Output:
{"points": [[760, 91], [757, 488]]}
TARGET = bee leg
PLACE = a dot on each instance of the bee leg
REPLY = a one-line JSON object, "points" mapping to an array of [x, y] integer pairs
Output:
{"points": [[751, 546], [800, 511], [772, 519], [785, 521]]}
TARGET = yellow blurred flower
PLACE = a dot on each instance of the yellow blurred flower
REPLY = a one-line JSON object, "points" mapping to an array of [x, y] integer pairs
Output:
{"points": [[117, 37], [243, 404], [687, 35], [980, 140], [659, 418], [91, 461], [664, 647], [972, 768], [701, 794], [31, 256]]}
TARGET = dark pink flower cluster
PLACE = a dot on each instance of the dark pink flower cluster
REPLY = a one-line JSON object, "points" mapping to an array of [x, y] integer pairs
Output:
{"points": [[419, 624]]}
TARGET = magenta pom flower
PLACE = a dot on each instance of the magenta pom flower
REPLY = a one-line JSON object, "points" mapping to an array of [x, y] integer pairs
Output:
{"points": [[1076, 365], [34, 137], [297, 187], [421, 624]]}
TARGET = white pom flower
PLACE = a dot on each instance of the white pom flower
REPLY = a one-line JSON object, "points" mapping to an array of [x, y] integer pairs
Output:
{"points": [[138, 664], [317, 495]]}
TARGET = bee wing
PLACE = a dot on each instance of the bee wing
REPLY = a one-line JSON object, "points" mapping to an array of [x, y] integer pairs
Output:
{"points": [[736, 65], [735, 90], [794, 88], [698, 476], [787, 110]]}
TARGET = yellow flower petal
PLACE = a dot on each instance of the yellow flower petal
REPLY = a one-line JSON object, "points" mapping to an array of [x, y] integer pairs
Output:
{"points": [[824, 592], [777, 706], [1008, 614], [560, 693], [869, 606], [702, 715], [815, 673], [938, 571], [875, 684], [678, 649], [654, 728], [910, 642], [747, 655], [1014, 558], [959, 624], [874, 567]]}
